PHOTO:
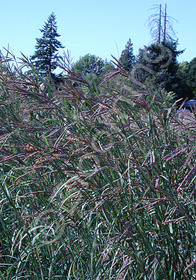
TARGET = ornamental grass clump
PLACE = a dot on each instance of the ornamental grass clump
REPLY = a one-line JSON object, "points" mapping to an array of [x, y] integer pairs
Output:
{"points": [[95, 184]]}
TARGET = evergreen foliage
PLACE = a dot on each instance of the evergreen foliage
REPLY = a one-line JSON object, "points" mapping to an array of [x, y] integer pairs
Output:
{"points": [[46, 54], [159, 62], [186, 73], [192, 76], [127, 57]]}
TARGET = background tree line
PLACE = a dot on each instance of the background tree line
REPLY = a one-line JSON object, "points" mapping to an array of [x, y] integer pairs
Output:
{"points": [[159, 60]]}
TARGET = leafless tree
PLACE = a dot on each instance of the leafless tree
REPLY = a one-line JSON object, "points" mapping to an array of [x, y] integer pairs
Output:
{"points": [[161, 25]]}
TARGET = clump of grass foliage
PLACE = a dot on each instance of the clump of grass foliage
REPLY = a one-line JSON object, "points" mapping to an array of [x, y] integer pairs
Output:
{"points": [[97, 181]]}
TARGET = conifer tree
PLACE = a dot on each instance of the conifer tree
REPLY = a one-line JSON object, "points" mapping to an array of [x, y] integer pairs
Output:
{"points": [[46, 54], [127, 57]]}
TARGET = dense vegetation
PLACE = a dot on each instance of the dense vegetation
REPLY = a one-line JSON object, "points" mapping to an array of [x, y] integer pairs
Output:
{"points": [[97, 175]]}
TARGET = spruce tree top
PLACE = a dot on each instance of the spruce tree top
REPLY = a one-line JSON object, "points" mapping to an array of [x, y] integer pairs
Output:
{"points": [[127, 57], [46, 54]]}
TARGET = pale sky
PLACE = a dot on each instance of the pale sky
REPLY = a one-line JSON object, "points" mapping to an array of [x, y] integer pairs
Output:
{"points": [[98, 27]]}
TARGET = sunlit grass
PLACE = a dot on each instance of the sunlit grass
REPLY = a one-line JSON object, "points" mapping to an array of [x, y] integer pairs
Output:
{"points": [[94, 186]]}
